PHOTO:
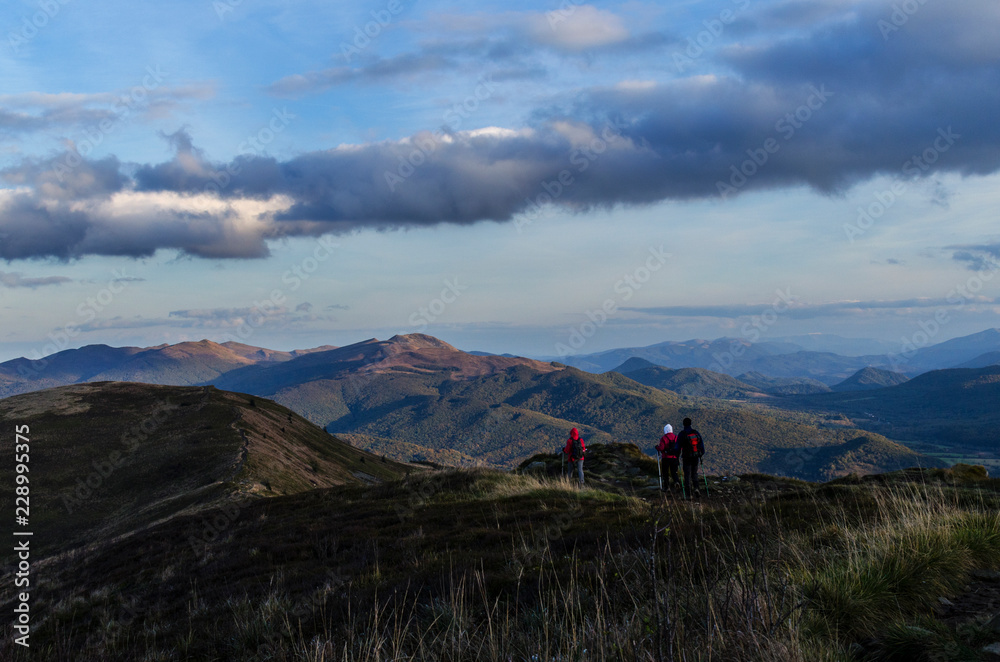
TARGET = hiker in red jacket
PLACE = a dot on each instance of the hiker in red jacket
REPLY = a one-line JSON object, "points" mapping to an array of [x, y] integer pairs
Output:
{"points": [[669, 451], [575, 448]]}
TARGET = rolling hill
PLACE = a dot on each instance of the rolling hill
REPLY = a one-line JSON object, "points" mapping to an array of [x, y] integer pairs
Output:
{"points": [[696, 382], [108, 459], [867, 379]]}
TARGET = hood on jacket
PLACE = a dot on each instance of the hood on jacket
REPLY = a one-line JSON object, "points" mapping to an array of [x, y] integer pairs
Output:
{"points": [[574, 434], [668, 428]]}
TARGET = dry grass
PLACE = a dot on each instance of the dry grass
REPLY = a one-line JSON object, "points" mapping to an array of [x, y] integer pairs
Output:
{"points": [[499, 567]]}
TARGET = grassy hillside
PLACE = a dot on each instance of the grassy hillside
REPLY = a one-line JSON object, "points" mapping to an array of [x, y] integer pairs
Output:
{"points": [[483, 565], [110, 458]]}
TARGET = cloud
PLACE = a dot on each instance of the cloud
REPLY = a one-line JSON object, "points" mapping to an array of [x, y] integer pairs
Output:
{"points": [[505, 46], [377, 70], [577, 27], [37, 111], [212, 318], [835, 102], [15, 279], [799, 311], [223, 317], [977, 257]]}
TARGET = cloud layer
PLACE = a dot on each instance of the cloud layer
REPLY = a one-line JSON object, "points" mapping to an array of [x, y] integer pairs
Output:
{"points": [[825, 98]]}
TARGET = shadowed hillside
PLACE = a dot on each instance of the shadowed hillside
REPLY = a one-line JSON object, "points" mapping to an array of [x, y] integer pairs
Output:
{"points": [[110, 458]]}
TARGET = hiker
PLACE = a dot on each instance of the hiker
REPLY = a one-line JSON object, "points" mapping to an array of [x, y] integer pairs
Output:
{"points": [[575, 449], [669, 459], [692, 448]]}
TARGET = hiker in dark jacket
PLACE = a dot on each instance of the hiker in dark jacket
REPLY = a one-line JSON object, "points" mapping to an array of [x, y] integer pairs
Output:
{"points": [[669, 458], [575, 448], [692, 448]]}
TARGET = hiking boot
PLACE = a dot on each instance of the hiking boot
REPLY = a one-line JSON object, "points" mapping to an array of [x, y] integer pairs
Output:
{"points": [[697, 494]]}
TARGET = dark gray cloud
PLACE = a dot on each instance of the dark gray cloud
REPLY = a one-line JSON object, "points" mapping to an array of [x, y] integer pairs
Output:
{"points": [[978, 257], [64, 178], [825, 105]]}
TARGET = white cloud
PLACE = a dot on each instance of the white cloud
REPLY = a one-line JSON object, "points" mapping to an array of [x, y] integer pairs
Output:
{"points": [[577, 28]]}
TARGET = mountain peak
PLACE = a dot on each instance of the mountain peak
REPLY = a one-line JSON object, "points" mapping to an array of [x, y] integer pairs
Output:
{"points": [[419, 341]]}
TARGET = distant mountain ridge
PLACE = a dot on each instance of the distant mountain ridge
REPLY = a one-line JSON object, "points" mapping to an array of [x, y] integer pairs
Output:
{"points": [[956, 407], [182, 364], [426, 394], [205, 361], [443, 404], [982, 361], [497, 410], [736, 356]]}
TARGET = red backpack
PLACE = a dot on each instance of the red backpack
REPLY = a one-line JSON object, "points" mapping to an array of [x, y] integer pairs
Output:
{"points": [[693, 441]]}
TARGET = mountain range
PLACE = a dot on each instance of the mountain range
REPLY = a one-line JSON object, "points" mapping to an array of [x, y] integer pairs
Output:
{"points": [[788, 360], [183, 364], [416, 397]]}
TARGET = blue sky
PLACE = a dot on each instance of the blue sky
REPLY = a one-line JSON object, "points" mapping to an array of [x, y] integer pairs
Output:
{"points": [[522, 177]]}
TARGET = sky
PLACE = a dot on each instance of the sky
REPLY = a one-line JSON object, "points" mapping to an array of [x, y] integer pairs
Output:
{"points": [[537, 178]]}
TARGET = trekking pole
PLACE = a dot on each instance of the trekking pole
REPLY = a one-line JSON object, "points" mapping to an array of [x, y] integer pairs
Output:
{"points": [[705, 477], [659, 470]]}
